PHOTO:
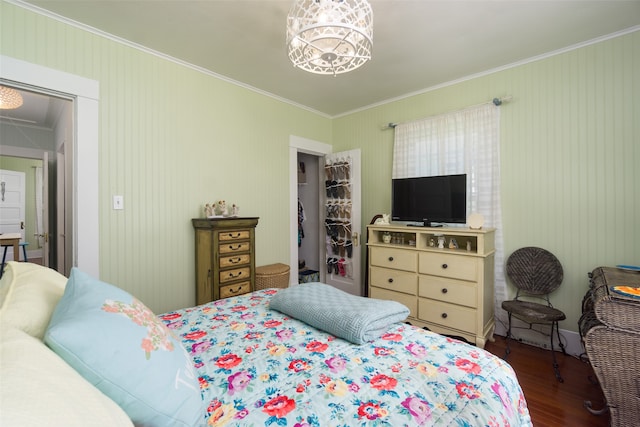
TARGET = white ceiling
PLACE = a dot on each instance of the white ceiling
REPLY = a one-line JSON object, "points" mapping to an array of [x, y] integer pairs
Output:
{"points": [[417, 45]]}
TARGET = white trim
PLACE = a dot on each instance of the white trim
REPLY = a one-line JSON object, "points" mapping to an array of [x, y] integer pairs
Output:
{"points": [[494, 70], [131, 44], [30, 153], [86, 93], [308, 146], [149, 51], [571, 339]]}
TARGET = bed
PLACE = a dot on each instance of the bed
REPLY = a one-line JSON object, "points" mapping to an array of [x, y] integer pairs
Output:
{"points": [[260, 367], [252, 366]]}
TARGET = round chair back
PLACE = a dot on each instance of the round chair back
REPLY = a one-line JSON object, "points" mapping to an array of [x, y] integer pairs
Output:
{"points": [[534, 270]]}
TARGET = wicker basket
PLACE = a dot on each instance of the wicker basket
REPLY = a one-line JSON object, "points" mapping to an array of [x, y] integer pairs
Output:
{"points": [[272, 276]]}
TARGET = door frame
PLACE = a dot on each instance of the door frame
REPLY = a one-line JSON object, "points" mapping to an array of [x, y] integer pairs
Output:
{"points": [[297, 145], [86, 96]]}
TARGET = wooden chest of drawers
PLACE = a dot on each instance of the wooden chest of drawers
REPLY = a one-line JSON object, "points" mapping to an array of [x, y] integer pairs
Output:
{"points": [[225, 257], [449, 290]]}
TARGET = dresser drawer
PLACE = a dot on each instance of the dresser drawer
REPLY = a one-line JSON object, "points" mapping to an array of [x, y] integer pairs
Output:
{"points": [[394, 280], [235, 274], [235, 289], [233, 247], [409, 300], [399, 259], [448, 290], [448, 265], [234, 235], [234, 260], [447, 315]]}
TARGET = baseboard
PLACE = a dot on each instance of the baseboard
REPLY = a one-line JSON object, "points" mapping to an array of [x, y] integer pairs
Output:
{"points": [[570, 339], [36, 253]]}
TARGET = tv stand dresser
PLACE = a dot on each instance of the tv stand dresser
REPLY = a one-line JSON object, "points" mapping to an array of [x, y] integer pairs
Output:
{"points": [[448, 290]]}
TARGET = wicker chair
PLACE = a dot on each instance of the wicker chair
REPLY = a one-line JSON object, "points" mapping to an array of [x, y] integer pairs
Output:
{"points": [[536, 273]]}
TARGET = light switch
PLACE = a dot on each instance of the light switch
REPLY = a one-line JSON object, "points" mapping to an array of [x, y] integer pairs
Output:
{"points": [[118, 202]]}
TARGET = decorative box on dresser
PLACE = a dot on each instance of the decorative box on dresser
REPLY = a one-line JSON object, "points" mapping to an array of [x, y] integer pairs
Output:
{"points": [[448, 290], [225, 257]]}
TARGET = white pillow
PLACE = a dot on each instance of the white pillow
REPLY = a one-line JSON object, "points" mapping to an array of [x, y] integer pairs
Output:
{"points": [[28, 295], [40, 389]]}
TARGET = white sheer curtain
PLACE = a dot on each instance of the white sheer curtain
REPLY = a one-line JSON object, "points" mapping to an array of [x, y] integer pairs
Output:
{"points": [[39, 192], [466, 141]]}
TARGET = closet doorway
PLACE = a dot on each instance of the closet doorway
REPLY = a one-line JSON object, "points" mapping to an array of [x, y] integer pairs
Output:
{"points": [[328, 204], [309, 221]]}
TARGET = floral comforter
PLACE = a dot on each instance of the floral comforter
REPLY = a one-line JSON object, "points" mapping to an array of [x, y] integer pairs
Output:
{"points": [[258, 367]]}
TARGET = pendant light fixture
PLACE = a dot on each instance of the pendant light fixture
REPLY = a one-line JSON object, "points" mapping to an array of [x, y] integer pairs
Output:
{"points": [[329, 36], [9, 98]]}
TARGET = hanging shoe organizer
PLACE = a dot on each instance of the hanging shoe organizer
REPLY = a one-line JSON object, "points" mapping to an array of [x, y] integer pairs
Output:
{"points": [[338, 217]]}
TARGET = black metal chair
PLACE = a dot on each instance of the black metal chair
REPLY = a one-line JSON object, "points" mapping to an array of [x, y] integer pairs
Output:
{"points": [[536, 273]]}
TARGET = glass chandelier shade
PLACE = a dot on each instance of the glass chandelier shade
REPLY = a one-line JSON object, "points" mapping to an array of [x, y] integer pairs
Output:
{"points": [[9, 98], [329, 36]]}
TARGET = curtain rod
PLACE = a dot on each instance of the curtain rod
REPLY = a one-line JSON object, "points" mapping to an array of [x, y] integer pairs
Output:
{"points": [[495, 101]]}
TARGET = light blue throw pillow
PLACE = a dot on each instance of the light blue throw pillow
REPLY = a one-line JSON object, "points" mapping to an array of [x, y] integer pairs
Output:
{"points": [[117, 344]]}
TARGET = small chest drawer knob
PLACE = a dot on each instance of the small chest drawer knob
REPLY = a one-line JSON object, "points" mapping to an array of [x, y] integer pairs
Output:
{"points": [[445, 290], [444, 266], [444, 315], [390, 280], [390, 258]]}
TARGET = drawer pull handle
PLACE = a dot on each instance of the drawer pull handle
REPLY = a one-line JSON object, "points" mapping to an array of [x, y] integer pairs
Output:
{"points": [[235, 248], [235, 260], [390, 280], [444, 315], [237, 275], [390, 258], [233, 236], [231, 291], [444, 266], [445, 290]]}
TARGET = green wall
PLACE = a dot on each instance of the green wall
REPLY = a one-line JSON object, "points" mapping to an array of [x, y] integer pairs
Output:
{"points": [[570, 150], [173, 138]]}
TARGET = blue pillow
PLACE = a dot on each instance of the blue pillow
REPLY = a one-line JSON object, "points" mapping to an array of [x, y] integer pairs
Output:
{"points": [[117, 344]]}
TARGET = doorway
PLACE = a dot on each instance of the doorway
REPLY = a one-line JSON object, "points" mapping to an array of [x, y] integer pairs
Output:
{"points": [[33, 141], [349, 279], [84, 215], [308, 217], [317, 150]]}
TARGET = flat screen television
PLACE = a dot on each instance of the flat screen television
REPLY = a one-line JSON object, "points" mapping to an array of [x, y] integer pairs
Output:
{"points": [[430, 199]]}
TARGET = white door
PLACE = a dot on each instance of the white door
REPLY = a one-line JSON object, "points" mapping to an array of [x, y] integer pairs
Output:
{"points": [[342, 221], [61, 204], [12, 205], [43, 233]]}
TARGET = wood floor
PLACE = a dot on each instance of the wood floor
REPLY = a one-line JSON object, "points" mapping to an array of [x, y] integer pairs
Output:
{"points": [[550, 402]]}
